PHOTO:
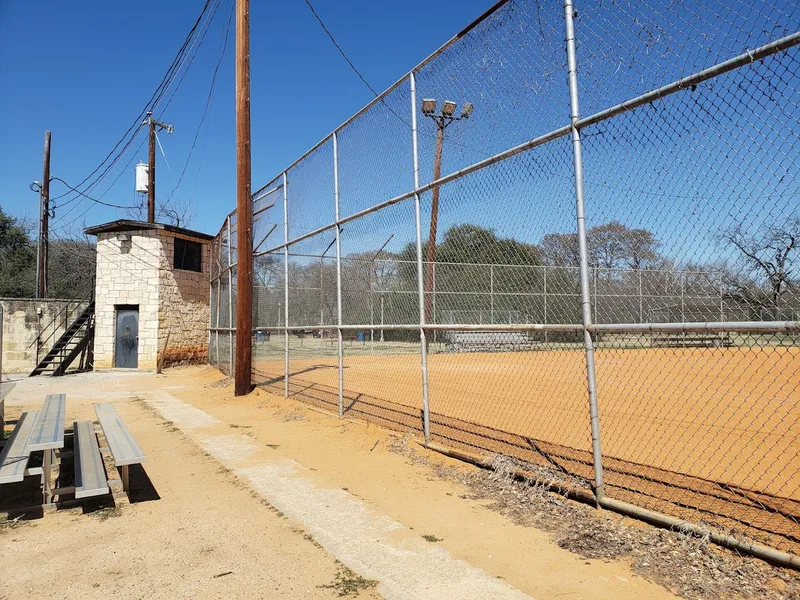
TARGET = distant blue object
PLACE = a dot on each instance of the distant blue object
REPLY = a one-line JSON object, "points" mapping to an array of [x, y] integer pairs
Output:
{"points": [[360, 336]]}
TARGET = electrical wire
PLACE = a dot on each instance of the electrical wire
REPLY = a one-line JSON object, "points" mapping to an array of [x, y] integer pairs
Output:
{"points": [[339, 48], [61, 227], [196, 47], [77, 191], [209, 99], [154, 99]]}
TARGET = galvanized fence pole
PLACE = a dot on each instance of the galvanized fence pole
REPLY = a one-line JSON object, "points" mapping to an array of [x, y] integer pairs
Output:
{"points": [[641, 303], [219, 291], [230, 300], [491, 294], [210, 308], [544, 292], [432, 291], [681, 283], [426, 416], [285, 289], [338, 274], [586, 307]]}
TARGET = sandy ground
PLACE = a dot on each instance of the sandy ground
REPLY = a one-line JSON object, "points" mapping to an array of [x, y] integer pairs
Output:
{"points": [[705, 435], [726, 414], [191, 531], [260, 497]]}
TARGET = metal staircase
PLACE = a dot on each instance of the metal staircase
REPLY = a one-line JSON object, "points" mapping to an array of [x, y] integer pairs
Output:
{"points": [[77, 342]]}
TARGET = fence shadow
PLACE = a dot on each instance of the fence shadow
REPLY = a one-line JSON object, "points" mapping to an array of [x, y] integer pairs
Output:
{"points": [[760, 516]]}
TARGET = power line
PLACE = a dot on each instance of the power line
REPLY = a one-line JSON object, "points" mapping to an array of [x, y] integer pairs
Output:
{"points": [[77, 191], [196, 47], [64, 226], [154, 99], [339, 48], [223, 49]]}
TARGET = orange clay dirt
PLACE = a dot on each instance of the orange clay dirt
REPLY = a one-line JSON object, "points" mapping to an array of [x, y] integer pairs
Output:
{"points": [[198, 524], [683, 429]]}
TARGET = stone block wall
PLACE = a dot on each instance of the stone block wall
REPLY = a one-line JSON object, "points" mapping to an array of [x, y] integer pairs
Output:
{"points": [[23, 319], [183, 306], [127, 274]]}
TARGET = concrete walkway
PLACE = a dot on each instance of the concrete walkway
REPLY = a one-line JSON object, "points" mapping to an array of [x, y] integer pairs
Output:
{"points": [[372, 545]]}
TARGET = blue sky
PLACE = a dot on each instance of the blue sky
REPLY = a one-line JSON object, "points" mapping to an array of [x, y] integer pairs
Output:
{"points": [[84, 71], [683, 168]]}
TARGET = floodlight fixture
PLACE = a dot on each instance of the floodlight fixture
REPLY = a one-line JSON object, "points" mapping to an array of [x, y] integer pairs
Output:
{"points": [[466, 111], [448, 108], [428, 106]]}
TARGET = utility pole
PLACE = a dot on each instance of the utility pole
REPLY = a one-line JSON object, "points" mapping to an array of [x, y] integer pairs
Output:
{"points": [[442, 120], [244, 206], [44, 223], [151, 167]]}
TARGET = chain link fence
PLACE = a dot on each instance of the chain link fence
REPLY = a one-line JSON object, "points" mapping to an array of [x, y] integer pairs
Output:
{"points": [[569, 236]]}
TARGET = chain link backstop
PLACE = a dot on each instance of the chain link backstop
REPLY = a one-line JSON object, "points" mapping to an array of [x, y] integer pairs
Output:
{"points": [[610, 294]]}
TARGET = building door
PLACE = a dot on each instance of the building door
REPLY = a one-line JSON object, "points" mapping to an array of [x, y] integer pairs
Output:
{"points": [[126, 347]]}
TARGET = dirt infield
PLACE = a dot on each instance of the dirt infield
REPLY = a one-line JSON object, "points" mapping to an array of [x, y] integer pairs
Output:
{"points": [[703, 434]]}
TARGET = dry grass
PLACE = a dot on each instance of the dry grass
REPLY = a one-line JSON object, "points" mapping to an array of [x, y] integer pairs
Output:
{"points": [[686, 564], [348, 583]]}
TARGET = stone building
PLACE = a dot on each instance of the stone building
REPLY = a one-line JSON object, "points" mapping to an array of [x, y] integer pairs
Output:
{"points": [[151, 295]]}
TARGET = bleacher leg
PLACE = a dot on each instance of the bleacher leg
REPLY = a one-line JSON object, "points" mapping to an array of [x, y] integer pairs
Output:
{"points": [[47, 467]]}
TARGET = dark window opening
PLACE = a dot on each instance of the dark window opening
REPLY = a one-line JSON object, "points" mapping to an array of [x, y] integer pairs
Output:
{"points": [[188, 255]]}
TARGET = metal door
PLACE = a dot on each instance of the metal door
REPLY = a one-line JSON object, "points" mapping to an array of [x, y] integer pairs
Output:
{"points": [[126, 355]]}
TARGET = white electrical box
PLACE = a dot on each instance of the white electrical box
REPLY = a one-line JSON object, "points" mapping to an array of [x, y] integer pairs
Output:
{"points": [[142, 172]]}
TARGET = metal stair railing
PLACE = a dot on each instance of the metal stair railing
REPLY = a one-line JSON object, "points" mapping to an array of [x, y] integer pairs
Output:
{"points": [[85, 296]]}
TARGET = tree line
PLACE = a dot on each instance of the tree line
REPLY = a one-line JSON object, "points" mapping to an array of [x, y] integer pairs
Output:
{"points": [[71, 265], [481, 273]]}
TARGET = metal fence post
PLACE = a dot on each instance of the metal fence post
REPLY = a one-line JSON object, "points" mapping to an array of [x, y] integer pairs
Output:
{"points": [[426, 416], [544, 268], [681, 283], [285, 288], [216, 337], [586, 308], [491, 294], [339, 274], [641, 304], [210, 308], [230, 300], [433, 298]]}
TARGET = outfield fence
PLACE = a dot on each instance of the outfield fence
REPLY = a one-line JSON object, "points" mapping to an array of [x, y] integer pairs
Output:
{"points": [[569, 236]]}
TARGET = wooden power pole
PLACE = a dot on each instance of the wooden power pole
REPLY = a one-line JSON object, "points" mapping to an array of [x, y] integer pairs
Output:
{"points": [[44, 239], [151, 171], [151, 167], [244, 207]]}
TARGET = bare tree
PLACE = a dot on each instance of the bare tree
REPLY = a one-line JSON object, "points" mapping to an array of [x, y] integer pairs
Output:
{"points": [[176, 211], [172, 211], [766, 262], [610, 246]]}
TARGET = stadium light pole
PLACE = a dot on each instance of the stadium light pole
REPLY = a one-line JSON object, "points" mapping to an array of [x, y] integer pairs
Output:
{"points": [[445, 117]]}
